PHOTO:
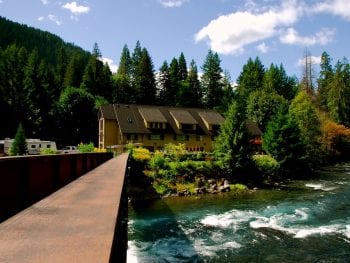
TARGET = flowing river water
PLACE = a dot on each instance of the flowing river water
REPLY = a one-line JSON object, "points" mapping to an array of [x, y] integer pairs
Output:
{"points": [[304, 221]]}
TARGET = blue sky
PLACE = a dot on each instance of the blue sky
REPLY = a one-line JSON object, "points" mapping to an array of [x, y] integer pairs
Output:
{"points": [[278, 31]]}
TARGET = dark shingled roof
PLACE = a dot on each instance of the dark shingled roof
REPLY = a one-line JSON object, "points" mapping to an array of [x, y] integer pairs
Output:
{"points": [[107, 112], [253, 128], [130, 118], [152, 114], [182, 116], [211, 117]]}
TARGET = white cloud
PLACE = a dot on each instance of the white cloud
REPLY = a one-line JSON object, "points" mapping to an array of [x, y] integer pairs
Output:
{"points": [[314, 60], [229, 34], [335, 7], [51, 18], [45, 2], [111, 64], [322, 37], [263, 48], [54, 19], [75, 8], [172, 3]]}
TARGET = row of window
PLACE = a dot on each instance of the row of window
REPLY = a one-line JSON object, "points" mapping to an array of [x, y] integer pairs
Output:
{"points": [[177, 137], [34, 146]]}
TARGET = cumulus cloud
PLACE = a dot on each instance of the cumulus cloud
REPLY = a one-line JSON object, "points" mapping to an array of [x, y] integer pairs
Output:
{"points": [[315, 60], [51, 18], [229, 34], [45, 2], [113, 67], [322, 37], [172, 3], [263, 48], [335, 7], [54, 19], [76, 9]]}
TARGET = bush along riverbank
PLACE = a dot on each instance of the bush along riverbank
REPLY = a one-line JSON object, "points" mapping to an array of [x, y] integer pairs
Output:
{"points": [[177, 172]]}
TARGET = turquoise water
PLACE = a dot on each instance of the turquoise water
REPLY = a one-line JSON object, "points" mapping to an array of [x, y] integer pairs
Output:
{"points": [[304, 221]]}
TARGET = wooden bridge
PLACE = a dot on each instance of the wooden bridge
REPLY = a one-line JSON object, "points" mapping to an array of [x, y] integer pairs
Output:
{"points": [[85, 221]]}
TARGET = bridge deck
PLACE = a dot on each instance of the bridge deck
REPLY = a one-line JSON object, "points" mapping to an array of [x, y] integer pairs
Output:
{"points": [[74, 224]]}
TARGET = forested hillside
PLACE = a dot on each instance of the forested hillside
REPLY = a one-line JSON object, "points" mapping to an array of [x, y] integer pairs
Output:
{"points": [[55, 89]]}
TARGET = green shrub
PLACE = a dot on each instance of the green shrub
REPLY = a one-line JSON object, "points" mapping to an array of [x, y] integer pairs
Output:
{"points": [[157, 161], [86, 147], [141, 154], [48, 151], [266, 164], [238, 187]]}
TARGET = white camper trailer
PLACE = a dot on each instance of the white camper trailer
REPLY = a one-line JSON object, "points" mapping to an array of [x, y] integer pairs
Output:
{"points": [[34, 146]]}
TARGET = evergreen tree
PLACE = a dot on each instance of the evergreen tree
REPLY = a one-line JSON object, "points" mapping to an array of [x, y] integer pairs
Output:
{"points": [[211, 80], [32, 91], [123, 89], [232, 146], [174, 85], [97, 78], [19, 145], [12, 64], [251, 78], [74, 71], [262, 105], [282, 140], [304, 113], [182, 67], [76, 116], [325, 78], [163, 84], [228, 94], [276, 80], [339, 94], [144, 80], [194, 85]]}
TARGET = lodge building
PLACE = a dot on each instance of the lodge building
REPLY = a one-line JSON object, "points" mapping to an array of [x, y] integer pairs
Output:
{"points": [[155, 126]]}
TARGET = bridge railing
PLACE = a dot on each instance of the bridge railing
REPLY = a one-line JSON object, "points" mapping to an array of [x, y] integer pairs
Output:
{"points": [[25, 180]]}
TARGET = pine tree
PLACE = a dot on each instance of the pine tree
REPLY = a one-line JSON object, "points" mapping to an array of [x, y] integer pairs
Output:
{"points": [[163, 84], [97, 76], [262, 105], [123, 92], [325, 78], [251, 78], [194, 85], [211, 80], [182, 67], [232, 146], [174, 85], [339, 94], [19, 145], [282, 140], [74, 71], [144, 80], [276, 80], [305, 115]]}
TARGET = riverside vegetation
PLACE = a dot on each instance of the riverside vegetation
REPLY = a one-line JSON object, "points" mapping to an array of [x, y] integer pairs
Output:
{"points": [[55, 89]]}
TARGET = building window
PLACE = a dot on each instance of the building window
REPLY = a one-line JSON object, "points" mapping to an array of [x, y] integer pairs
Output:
{"points": [[199, 138], [48, 146], [156, 137], [181, 137], [132, 137], [33, 146]]}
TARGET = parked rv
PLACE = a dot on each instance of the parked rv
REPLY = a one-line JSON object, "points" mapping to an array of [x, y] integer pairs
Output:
{"points": [[34, 146]]}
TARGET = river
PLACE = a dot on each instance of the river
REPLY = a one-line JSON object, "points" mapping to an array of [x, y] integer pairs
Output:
{"points": [[304, 221]]}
